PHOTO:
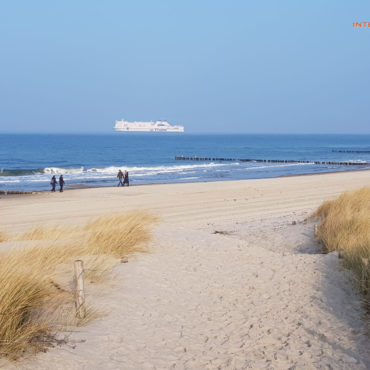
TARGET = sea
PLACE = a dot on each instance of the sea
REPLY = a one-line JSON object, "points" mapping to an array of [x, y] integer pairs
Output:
{"points": [[27, 162]]}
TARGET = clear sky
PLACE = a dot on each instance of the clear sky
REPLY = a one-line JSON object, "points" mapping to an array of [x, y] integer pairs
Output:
{"points": [[212, 66]]}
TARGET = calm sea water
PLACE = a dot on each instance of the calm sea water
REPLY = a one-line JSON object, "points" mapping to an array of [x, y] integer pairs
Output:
{"points": [[27, 162]]}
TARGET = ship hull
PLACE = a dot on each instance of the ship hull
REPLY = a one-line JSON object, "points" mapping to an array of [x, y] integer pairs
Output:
{"points": [[158, 126]]}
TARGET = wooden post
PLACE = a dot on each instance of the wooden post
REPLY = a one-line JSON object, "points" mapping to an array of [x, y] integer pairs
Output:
{"points": [[315, 231], [364, 277], [80, 293]]}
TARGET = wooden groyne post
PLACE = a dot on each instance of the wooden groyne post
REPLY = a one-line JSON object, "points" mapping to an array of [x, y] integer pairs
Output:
{"points": [[364, 277], [80, 292]]}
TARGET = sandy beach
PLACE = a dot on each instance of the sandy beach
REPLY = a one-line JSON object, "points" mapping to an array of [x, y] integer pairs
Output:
{"points": [[234, 279]]}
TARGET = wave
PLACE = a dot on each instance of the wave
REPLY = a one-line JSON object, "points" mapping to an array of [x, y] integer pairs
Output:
{"points": [[82, 173], [145, 170], [356, 161], [105, 170], [112, 170], [20, 172], [63, 171], [281, 165]]}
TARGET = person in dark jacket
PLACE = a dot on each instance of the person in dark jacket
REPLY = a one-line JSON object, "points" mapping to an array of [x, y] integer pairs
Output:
{"points": [[53, 183], [120, 178], [61, 183], [126, 181]]}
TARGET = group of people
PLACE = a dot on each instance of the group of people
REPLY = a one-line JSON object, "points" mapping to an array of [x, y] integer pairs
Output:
{"points": [[122, 181], [123, 178], [54, 183]]}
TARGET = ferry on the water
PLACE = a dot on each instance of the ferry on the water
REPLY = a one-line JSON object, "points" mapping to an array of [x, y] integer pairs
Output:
{"points": [[158, 126]]}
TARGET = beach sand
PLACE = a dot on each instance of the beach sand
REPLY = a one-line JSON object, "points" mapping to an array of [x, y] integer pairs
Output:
{"points": [[234, 279]]}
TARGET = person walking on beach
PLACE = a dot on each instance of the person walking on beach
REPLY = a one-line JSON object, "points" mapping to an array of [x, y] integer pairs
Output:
{"points": [[126, 181], [120, 178], [61, 183], [53, 183]]}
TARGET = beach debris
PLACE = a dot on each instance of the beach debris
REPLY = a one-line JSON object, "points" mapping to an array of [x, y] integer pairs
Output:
{"points": [[124, 259], [80, 292], [57, 286], [294, 223], [223, 232]]}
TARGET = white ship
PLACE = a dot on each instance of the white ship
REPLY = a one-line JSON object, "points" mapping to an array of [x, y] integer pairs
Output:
{"points": [[158, 126]]}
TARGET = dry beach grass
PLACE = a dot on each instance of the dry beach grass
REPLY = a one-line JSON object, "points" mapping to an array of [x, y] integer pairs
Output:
{"points": [[30, 295], [345, 227]]}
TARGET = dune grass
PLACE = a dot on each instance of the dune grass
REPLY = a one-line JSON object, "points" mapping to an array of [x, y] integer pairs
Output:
{"points": [[31, 299], [345, 227]]}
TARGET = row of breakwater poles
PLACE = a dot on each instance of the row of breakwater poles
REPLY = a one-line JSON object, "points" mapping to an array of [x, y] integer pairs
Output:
{"points": [[351, 151], [182, 158], [14, 192]]}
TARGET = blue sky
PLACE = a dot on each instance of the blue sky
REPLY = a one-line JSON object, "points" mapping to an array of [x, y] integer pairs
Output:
{"points": [[212, 66]]}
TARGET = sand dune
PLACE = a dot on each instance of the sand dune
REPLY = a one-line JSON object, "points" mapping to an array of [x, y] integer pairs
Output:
{"points": [[256, 294]]}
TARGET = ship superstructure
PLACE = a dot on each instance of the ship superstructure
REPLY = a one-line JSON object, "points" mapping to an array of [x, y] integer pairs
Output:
{"points": [[139, 126]]}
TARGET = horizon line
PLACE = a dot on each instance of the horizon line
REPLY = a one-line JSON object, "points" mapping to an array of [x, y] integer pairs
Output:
{"points": [[178, 133]]}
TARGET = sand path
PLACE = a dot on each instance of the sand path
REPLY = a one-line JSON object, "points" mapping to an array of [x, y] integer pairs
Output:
{"points": [[259, 297]]}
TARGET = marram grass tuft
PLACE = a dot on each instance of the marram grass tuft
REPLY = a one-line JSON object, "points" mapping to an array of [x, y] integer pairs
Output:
{"points": [[345, 227], [31, 300]]}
